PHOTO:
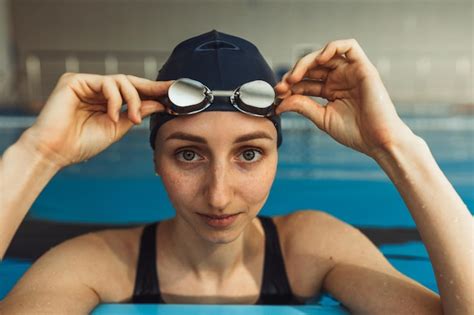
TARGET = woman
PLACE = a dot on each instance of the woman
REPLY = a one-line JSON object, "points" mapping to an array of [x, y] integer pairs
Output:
{"points": [[222, 162]]}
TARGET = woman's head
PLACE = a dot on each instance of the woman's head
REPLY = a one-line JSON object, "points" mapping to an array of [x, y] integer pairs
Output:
{"points": [[219, 161]]}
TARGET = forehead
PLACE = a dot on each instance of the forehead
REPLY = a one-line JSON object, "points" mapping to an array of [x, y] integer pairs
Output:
{"points": [[218, 124]]}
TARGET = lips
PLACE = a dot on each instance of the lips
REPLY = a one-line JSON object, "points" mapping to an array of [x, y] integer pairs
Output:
{"points": [[219, 221], [214, 216]]}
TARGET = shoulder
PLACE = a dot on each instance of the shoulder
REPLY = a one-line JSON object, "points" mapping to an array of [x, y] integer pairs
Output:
{"points": [[315, 232], [308, 228], [313, 241], [103, 261], [97, 246], [108, 258]]}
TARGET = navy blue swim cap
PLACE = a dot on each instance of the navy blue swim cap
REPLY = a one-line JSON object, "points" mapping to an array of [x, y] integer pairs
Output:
{"points": [[219, 61]]}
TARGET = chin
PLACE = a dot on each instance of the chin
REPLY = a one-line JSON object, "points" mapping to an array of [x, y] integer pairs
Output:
{"points": [[220, 237]]}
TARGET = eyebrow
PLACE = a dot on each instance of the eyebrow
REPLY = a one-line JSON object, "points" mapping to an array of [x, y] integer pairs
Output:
{"points": [[247, 137]]}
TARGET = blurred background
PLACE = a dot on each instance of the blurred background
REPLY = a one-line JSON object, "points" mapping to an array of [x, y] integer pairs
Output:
{"points": [[423, 50]]}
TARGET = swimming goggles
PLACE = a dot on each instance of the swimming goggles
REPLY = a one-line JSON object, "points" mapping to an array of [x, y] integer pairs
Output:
{"points": [[187, 96]]}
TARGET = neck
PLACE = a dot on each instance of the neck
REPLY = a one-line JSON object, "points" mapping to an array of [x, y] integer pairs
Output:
{"points": [[206, 258]]}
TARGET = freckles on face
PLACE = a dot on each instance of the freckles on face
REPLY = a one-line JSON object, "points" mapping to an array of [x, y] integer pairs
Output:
{"points": [[181, 185], [244, 192], [254, 185], [201, 177]]}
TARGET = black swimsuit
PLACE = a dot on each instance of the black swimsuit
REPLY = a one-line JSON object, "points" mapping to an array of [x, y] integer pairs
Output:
{"points": [[275, 287]]}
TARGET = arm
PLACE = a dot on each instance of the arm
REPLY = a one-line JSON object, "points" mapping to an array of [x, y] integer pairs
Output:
{"points": [[361, 115], [356, 272], [78, 274], [81, 118], [62, 281], [348, 265], [23, 175], [366, 283], [443, 220]]}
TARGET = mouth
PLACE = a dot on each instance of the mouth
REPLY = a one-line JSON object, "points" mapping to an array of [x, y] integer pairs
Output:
{"points": [[219, 221], [215, 216]]}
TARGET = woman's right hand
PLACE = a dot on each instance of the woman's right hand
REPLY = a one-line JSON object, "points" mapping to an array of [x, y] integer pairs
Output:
{"points": [[83, 116]]}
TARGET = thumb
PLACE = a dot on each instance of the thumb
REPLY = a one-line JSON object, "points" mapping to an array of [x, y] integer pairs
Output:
{"points": [[305, 106], [147, 108]]}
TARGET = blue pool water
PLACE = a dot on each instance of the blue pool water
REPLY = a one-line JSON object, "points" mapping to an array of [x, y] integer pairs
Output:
{"points": [[314, 172]]}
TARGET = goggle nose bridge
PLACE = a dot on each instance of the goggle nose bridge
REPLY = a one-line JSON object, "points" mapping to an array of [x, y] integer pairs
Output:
{"points": [[222, 93]]}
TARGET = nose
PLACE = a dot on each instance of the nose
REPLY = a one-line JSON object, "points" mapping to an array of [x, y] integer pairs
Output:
{"points": [[219, 191]]}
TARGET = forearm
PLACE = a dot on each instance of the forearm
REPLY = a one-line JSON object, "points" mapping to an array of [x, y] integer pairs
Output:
{"points": [[443, 220], [23, 175]]}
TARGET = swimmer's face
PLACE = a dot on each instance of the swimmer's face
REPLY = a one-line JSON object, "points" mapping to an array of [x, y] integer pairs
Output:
{"points": [[206, 169]]}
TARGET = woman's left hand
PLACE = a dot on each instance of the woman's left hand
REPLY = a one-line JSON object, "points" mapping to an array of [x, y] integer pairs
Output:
{"points": [[359, 114]]}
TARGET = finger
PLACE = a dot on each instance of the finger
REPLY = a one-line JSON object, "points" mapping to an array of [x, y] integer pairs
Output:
{"points": [[319, 73], [302, 66], [147, 108], [332, 64], [282, 89], [131, 97], [89, 87], [147, 89], [150, 88], [150, 106], [335, 62], [309, 87], [113, 97], [349, 47], [305, 106]]}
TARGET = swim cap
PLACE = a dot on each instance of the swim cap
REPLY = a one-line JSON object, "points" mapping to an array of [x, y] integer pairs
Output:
{"points": [[219, 61]]}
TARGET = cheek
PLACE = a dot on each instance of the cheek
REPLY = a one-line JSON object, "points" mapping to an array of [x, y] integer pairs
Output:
{"points": [[181, 187], [254, 185]]}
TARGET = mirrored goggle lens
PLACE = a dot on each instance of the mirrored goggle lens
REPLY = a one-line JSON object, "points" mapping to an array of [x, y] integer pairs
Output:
{"points": [[186, 92], [259, 94]]}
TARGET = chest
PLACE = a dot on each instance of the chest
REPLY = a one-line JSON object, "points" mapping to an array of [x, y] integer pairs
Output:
{"points": [[179, 285]]}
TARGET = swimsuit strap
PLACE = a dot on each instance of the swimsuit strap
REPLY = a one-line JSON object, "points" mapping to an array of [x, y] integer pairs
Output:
{"points": [[147, 288], [275, 286]]}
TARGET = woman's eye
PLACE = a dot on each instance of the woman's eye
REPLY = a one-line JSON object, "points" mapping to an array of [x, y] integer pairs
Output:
{"points": [[186, 155], [249, 155]]}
